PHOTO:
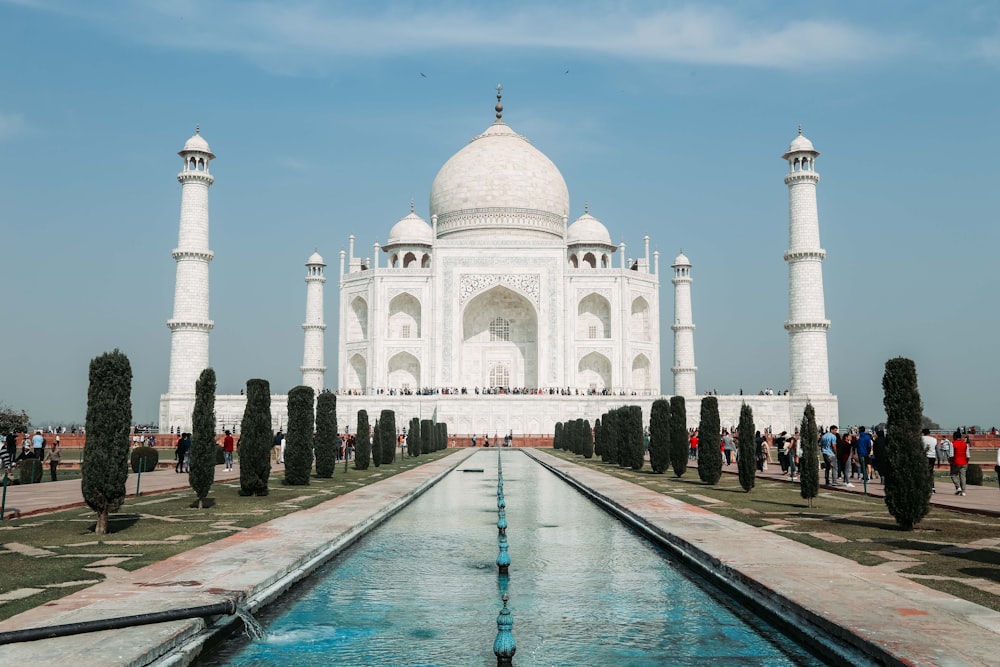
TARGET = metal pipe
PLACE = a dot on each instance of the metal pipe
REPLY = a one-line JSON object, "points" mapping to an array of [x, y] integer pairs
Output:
{"points": [[226, 608]]}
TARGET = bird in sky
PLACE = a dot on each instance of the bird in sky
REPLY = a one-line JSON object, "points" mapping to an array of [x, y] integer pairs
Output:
{"points": [[423, 75]]}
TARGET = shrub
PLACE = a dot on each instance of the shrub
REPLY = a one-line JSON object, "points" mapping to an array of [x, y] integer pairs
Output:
{"points": [[908, 496], [709, 434], [444, 435], [202, 472], [974, 474], [425, 436], [557, 436], [220, 455], [29, 471], [256, 439], [387, 420], [413, 438], [151, 456], [612, 434], [376, 445], [659, 435], [679, 441], [362, 442], [109, 415], [299, 439], [635, 445], [327, 438], [809, 460], [599, 438], [588, 441]]}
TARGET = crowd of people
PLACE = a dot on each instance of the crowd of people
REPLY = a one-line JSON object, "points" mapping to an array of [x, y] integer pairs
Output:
{"points": [[34, 447], [484, 391]]}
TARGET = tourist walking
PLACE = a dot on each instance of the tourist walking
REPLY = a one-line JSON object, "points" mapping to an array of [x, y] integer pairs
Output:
{"points": [[996, 468], [728, 446], [228, 445], [881, 453], [828, 447], [959, 463], [792, 454], [930, 451], [179, 453], [54, 457], [864, 449]]}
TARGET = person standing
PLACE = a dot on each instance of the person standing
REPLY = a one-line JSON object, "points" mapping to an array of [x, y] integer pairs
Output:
{"points": [[996, 468], [179, 453], [959, 463], [864, 450], [54, 458], [38, 444], [828, 447], [930, 451], [228, 445], [792, 456], [728, 446]]}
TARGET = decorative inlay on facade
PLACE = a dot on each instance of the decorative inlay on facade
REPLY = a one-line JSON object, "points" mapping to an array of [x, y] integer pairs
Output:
{"points": [[519, 218], [472, 284]]}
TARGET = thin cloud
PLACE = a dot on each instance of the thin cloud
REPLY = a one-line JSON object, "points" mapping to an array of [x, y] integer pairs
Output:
{"points": [[303, 36]]}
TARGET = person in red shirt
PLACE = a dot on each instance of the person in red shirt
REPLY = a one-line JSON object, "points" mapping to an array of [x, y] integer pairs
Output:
{"points": [[959, 463], [228, 445], [694, 446]]}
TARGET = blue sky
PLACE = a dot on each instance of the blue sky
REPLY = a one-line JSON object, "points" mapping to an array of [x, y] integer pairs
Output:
{"points": [[669, 118]]}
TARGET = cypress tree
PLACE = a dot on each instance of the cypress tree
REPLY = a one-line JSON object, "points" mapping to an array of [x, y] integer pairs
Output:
{"points": [[256, 439], [679, 441], [613, 433], [388, 421], [425, 436], [109, 416], [809, 460], [444, 435], [439, 432], [202, 473], [588, 441], [557, 437], [299, 439], [576, 436], [746, 460], [709, 454], [327, 438], [598, 437], [362, 442], [376, 448], [413, 438], [908, 497], [659, 435], [634, 437]]}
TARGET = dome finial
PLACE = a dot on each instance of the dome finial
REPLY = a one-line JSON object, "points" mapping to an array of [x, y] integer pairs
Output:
{"points": [[800, 129], [411, 206], [499, 106], [197, 128], [586, 207]]}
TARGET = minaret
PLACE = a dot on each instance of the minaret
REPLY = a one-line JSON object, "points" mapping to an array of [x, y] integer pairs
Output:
{"points": [[312, 357], [807, 323], [684, 369], [190, 326]]}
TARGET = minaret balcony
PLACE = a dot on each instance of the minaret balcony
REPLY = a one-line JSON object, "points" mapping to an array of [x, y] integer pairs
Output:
{"points": [[181, 325], [822, 325], [791, 256], [205, 256]]}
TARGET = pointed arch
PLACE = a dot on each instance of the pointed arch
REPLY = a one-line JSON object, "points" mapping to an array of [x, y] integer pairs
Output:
{"points": [[357, 320], [404, 316], [357, 373], [593, 317], [404, 371], [640, 374], [640, 319], [594, 372]]}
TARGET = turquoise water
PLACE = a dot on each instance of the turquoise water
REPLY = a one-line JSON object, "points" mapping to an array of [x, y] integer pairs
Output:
{"points": [[584, 590]]}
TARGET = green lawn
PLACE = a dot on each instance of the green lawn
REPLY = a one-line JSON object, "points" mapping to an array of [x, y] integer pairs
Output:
{"points": [[951, 551], [55, 553]]}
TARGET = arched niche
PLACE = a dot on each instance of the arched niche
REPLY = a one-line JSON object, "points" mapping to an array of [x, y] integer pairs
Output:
{"points": [[640, 374], [404, 316], [357, 373], [594, 372], [357, 320], [640, 319], [409, 260], [593, 317], [404, 371]]}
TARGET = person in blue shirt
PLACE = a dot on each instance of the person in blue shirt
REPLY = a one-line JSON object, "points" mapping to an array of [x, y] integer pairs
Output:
{"points": [[828, 447], [864, 449]]}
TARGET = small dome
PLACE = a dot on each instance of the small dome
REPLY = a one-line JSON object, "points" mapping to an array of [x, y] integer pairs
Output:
{"points": [[588, 230], [682, 260], [800, 144], [315, 258], [411, 230], [197, 143]]}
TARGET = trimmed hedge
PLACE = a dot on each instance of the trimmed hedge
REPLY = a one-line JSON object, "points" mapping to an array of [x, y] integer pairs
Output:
{"points": [[151, 456]]}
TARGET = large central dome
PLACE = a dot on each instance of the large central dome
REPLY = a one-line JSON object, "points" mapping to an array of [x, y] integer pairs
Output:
{"points": [[499, 183]]}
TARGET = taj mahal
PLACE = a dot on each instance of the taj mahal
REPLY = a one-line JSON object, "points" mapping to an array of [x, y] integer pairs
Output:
{"points": [[500, 314]]}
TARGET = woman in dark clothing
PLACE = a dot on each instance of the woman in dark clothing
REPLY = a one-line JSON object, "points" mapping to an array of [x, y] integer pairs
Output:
{"points": [[881, 456]]}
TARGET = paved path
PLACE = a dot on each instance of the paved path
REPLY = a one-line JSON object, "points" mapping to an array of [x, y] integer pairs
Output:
{"points": [[28, 499]]}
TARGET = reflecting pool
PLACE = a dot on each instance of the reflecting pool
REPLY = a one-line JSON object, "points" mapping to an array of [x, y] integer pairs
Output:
{"points": [[584, 589]]}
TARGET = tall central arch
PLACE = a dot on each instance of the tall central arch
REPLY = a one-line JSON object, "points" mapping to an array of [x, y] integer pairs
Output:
{"points": [[499, 340]]}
